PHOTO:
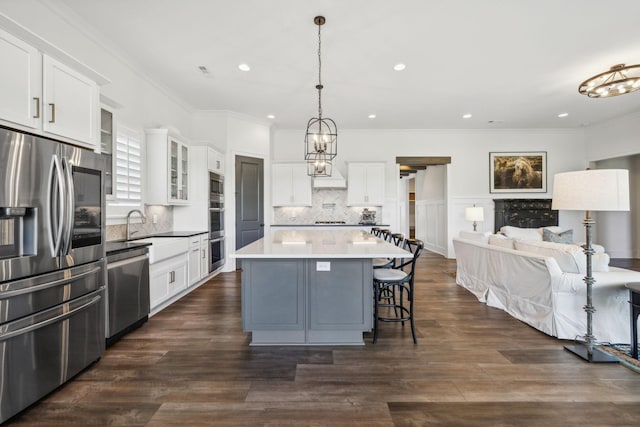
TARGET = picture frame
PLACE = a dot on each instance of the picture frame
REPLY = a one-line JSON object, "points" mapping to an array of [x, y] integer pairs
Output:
{"points": [[518, 172]]}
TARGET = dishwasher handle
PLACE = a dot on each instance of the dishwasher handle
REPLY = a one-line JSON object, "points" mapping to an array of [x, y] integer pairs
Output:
{"points": [[111, 265]]}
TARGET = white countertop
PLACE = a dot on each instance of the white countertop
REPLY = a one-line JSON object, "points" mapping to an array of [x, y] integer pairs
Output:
{"points": [[313, 243]]}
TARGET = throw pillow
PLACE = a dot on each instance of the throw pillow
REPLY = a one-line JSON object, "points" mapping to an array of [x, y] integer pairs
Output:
{"points": [[502, 241], [560, 237], [475, 236], [521, 233]]}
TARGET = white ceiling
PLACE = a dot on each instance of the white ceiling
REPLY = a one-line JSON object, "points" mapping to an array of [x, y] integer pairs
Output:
{"points": [[515, 62]]}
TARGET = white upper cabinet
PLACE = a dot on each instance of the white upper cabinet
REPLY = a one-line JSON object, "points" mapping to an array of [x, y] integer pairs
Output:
{"points": [[20, 83], [71, 103], [366, 184], [167, 169], [43, 95], [291, 186]]}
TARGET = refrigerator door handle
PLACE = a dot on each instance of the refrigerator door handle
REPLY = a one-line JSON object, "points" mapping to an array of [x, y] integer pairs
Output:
{"points": [[65, 315], [70, 200], [55, 230]]}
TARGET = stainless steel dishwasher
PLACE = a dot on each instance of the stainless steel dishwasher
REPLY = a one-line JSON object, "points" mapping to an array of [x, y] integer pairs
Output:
{"points": [[127, 292]]}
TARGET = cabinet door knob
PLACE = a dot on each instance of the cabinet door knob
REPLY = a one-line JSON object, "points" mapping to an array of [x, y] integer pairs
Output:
{"points": [[53, 113], [37, 115]]}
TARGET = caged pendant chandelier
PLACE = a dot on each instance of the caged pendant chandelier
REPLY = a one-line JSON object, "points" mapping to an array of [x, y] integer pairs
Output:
{"points": [[321, 139]]}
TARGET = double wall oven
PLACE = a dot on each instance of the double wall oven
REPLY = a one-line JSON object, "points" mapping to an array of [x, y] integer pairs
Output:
{"points": [[216, 221], [52, 267]]}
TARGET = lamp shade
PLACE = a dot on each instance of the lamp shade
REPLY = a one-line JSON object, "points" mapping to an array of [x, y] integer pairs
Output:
{"points": [[591, 190], [474, 214]]}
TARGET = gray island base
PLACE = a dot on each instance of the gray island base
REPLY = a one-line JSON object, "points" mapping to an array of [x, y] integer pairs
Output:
{"points": [[305, 287]]}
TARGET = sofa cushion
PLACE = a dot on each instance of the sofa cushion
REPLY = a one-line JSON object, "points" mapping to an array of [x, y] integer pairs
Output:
{"points": [[522, 233], [475, 236], [570, 258], [559, 237], [502, 241]]}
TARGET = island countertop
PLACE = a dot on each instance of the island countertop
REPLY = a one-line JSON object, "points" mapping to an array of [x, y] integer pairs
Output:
{"points": [[309, 243]]}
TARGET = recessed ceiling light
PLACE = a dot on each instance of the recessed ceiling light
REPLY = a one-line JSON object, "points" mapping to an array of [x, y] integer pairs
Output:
{"points": [[467, 116], [244, 67], [271, 116], [399, 67], [372, 116], [561, 115]]}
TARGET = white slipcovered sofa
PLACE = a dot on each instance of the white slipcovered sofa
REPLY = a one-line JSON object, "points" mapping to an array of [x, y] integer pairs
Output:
{"points": [[541, 284]]}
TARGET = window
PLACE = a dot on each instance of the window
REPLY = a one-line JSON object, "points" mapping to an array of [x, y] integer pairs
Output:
{"points": [[128, 168]]}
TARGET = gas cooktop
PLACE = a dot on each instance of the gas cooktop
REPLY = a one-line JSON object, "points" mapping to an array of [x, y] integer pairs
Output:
{"points": [[330, 222]]}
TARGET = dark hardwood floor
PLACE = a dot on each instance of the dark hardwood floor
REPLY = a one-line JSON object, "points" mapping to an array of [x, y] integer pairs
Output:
{"points": [[191, 365]]}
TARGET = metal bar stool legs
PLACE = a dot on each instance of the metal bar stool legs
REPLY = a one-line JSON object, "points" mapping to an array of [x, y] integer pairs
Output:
{"points": [[390, 286]]}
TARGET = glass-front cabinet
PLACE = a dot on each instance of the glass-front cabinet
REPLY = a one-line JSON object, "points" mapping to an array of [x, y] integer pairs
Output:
{"points": [[169, 185], [178, 171], [107, 132]]}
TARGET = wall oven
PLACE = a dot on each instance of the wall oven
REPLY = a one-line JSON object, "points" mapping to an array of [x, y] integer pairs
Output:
{"points": [[216, 206], [216, 254], [216, 221]]}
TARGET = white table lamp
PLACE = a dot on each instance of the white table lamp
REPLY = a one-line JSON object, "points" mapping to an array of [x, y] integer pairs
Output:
{"points": [[591, 190], [474, 214]]}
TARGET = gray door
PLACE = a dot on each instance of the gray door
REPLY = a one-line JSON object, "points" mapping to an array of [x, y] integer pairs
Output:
{"points": [[249, 200]]}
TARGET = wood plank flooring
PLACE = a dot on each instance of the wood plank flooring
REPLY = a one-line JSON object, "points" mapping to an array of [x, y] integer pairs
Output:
{"points": [[191, 365]]}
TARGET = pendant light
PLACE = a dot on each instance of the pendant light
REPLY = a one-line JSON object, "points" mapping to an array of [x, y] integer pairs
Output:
{"points": [[321, 139]]}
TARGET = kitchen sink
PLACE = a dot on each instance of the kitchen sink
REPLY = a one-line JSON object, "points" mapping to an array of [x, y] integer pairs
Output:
{"points": [[165, 247]]}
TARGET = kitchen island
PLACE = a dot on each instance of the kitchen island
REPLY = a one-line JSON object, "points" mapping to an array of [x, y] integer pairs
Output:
{"points": [[311, 287]]}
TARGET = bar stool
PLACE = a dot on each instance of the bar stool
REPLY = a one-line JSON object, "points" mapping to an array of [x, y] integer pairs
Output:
{"points": [[397, 239], [391, 286], [375, 231], [383, 262]]}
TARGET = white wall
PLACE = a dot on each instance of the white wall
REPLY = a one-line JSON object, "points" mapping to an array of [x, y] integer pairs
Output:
{"points": [[468, 173], [236, 134], [619, 232], [614, 144], [614, 138]]}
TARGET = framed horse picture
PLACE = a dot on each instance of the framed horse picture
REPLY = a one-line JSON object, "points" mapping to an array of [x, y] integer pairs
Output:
{"points": [[523, 172]]}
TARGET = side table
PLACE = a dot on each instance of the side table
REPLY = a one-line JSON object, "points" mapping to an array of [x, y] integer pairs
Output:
{"points": [[634, 300]]}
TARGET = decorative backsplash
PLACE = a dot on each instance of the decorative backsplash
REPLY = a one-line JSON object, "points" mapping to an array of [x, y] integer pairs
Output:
{"points": [[164, 216], [327, 205]]}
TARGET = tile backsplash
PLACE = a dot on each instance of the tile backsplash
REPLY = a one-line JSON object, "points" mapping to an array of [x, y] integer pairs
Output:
{"points": [[164, 216], [327, 205]]}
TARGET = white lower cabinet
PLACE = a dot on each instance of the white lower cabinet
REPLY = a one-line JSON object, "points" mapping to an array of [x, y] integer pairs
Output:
{"points": [[167, 278], [195, 259], [176, 264], [204, 255]]}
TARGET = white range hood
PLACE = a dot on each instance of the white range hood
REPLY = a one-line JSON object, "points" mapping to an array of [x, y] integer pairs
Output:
{"points": [[336, 180]]}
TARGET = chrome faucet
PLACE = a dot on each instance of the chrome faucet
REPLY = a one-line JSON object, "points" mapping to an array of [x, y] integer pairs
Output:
{"points": [[142, 216]]}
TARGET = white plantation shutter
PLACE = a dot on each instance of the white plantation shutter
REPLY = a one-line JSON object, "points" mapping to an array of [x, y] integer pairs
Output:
{"points": [[128, 168]]}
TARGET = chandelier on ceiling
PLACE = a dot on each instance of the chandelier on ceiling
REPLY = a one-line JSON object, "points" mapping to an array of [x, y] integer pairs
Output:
{"points": [[321, 139], [620, 79]]}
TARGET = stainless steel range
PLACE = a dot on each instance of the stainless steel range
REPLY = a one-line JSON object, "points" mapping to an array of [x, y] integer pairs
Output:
{"points": [[52, 267]]}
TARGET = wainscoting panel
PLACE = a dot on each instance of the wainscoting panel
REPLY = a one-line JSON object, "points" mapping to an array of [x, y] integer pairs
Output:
{"points": [[431, 225]]}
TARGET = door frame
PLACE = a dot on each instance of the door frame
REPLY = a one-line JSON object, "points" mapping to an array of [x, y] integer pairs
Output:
{"points": [[230, 201]]}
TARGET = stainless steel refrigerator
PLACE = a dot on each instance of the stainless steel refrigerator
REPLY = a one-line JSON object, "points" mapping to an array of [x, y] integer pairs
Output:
{"points": [[52, 265]]}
